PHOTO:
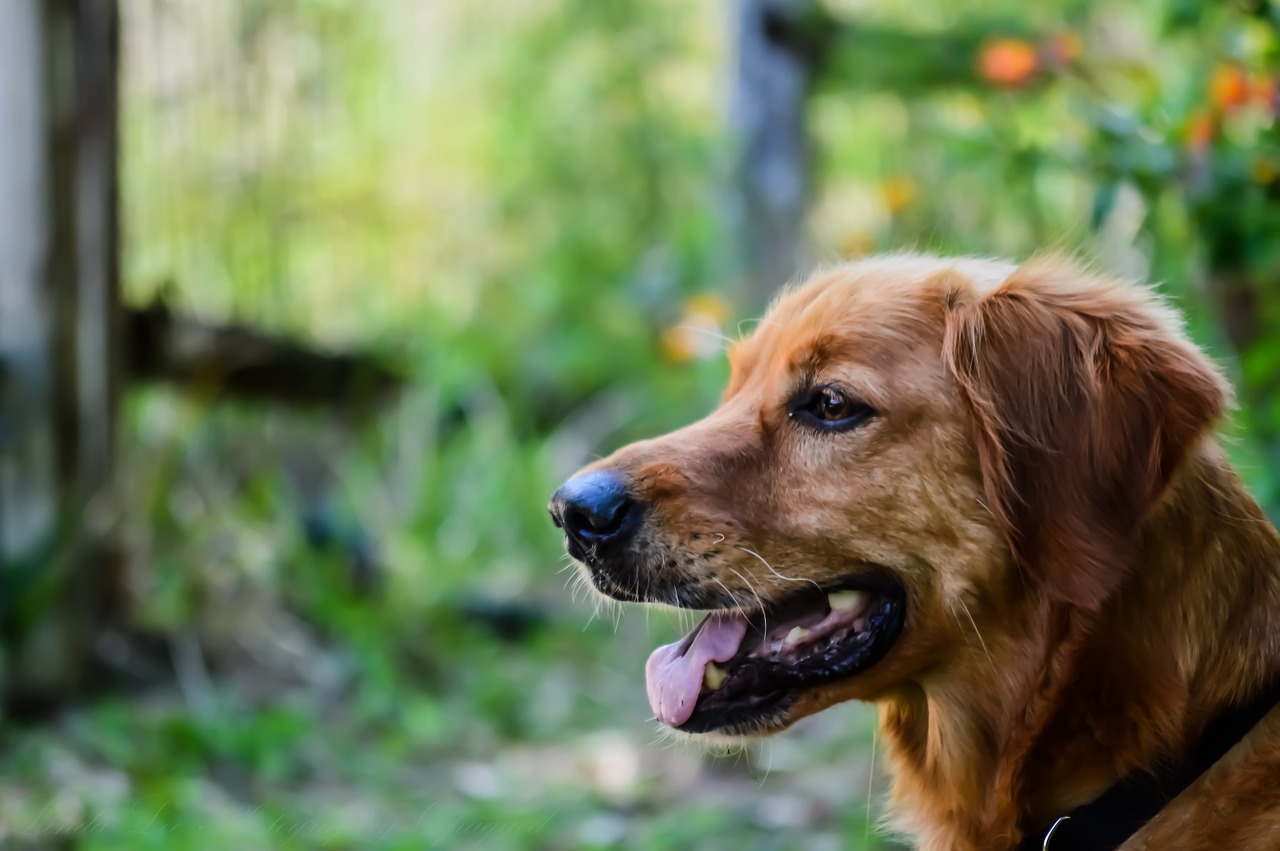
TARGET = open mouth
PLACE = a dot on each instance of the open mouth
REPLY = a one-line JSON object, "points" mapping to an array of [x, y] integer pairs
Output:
{"points": [[739, 673]]}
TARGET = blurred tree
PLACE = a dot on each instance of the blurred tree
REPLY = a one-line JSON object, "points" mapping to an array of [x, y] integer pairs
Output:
{"points": [[59, 346], [774, 64]]}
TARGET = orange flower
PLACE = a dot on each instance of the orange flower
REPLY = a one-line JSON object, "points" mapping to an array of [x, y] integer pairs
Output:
{"points": [[1062, 49], [1201, 129], [1229, 89], [1263, 93], [1007, 61]]}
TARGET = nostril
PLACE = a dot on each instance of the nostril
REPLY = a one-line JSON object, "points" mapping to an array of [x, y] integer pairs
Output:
{"points": [[598, 524], [593, 507], [581, 521]]}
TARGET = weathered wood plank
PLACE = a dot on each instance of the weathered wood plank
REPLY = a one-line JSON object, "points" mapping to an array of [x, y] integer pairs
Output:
{"points": [[241, 362], [97, 237], [28, 498], [59, 341]]}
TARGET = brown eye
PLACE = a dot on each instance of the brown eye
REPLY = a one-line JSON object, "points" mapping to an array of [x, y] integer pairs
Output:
{"points": [[831, 405], [830, 409]]}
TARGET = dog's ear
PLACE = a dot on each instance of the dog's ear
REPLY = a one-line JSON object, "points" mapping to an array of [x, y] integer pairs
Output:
{"points": [[1085, 397]]}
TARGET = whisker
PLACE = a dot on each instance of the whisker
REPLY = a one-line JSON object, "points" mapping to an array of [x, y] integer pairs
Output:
{"points": [[976, 632], [708, 332], [764, 612], [871, 783], [750, 551], [591, 620], [648, 587], [576, 582], [768, 753], [732, 596], [682, 614]]}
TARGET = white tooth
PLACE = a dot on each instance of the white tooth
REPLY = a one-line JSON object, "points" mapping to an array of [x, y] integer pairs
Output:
{"points": [[797, 635], [846, 599], [713, 676]]}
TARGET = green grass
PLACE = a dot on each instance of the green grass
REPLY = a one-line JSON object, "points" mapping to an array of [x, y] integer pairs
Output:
{"points": [[433, 734]]}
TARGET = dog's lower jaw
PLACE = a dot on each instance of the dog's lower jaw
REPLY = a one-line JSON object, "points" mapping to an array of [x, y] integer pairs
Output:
{"points": [[969, 752]]}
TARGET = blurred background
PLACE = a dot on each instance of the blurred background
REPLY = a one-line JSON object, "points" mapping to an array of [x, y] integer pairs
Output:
{"points": [[306, 306]]}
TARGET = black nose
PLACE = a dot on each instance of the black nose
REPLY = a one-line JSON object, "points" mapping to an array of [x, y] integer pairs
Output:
{"points": [[594, 508]]}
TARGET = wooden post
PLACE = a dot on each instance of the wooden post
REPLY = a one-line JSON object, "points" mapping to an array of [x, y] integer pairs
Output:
{"points": [[59, 309], [770, 194]]}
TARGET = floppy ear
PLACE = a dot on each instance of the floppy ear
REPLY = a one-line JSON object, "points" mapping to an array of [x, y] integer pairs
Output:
{"points": [[1085, 397]]}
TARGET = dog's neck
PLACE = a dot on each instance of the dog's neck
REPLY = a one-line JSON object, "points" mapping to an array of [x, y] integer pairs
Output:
{"points": [[1191, 629]]}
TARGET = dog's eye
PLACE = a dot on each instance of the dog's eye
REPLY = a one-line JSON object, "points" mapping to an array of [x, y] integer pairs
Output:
{"points": [[831, 409], [832, 405]]}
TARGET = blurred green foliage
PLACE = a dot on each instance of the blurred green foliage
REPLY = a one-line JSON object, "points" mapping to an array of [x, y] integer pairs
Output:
{"points": [[522, 202]]}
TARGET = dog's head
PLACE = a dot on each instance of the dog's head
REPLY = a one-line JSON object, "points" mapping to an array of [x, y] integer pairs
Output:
{"points": [[911, 452]]}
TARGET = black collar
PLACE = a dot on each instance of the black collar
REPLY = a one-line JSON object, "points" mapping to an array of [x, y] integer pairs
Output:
{"points": [[1119, 812]]}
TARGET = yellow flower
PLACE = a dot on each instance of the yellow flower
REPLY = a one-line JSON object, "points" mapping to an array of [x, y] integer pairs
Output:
{"points": [[707, 306], [1265, 170], [857, 243], [699, 333], [897, 192]]}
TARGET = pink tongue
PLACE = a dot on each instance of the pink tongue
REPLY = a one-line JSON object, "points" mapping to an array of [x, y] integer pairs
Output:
{"points": [[674, 679]]}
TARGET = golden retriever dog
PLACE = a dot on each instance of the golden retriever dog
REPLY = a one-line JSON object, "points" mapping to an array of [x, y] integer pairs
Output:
{"points": [[986, 498]]}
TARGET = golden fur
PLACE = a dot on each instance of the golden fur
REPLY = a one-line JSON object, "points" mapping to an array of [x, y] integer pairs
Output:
{"points": [[1088, 582]]}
